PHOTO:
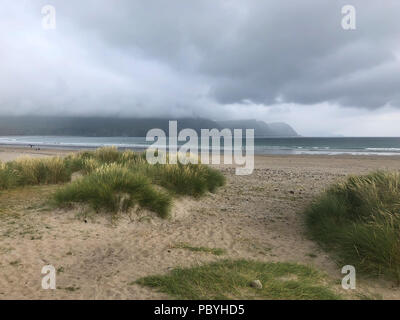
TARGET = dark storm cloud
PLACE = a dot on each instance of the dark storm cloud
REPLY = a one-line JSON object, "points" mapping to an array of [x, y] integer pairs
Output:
{"points": [[193, 57], [264, 51]]}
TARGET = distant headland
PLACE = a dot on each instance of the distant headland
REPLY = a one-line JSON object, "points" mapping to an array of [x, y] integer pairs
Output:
{"points": [[127, 127]]}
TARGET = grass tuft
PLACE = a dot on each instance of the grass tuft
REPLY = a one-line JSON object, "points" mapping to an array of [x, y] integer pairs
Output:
{"points": [[115, 188], [190, 179], [30, 171], [214, 251], [230, 279], [359, 220]]}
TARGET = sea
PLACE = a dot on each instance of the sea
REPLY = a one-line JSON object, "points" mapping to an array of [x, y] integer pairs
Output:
{"points": [[382, 146]]}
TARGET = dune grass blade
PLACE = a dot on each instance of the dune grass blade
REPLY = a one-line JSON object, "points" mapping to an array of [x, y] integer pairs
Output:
{"points": [[6, 177]]}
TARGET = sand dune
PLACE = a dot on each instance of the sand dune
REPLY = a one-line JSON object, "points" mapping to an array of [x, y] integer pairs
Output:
{"points": [[257, 216]]}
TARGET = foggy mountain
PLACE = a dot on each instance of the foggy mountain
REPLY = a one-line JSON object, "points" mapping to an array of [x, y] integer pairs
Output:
{"points": [[126, 127], [261, 129]]}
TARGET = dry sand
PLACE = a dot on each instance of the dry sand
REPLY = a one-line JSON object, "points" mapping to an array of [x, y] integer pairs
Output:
{"points": [[12, 153], [257, 216]]}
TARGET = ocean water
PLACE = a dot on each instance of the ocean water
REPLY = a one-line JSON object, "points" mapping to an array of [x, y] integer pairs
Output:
{"points": [[298, 145]]}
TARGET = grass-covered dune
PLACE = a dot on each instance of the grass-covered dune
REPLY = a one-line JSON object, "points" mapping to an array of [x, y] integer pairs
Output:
{"points": [[359, 220], [112, 180]]}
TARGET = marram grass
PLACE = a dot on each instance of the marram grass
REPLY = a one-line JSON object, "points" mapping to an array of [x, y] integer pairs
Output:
{"points": [[359, 220], [31, 171], [115, 188], [190, 179], [113, 180]]}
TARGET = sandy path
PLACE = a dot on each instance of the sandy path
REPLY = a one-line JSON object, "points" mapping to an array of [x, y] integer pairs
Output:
{"points": [[257, 216]]}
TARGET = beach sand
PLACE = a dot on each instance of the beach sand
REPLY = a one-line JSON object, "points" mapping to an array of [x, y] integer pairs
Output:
{"points": [[12, 153], [259, 216]]}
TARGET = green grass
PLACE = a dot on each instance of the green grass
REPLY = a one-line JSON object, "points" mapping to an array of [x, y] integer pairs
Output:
{"points": [[230, 279], [117, 181], [214, 251], [30, 171], [115, 188], [190, 179], [359, 220]]}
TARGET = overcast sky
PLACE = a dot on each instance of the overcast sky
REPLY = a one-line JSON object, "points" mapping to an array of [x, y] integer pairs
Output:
{"points": [[280, 60]]}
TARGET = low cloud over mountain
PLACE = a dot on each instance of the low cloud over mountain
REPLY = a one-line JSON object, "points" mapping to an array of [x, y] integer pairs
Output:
{"points": [[275, 60]]}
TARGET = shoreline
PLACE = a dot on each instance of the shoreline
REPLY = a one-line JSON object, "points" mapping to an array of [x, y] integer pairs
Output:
{"points": [[55, 150], [279, 146]]}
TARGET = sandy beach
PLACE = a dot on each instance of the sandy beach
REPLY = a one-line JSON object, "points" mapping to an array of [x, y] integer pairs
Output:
{"points": [[259, 216]]}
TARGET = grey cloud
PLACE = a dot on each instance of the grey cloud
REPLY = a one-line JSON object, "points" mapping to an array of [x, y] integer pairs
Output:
{"points": [[262, 51], [190, 57]]}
